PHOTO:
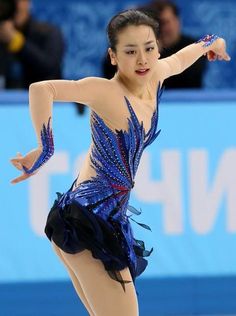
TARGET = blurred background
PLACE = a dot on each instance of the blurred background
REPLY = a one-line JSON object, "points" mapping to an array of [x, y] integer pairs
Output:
{"points": [[186, 181]]}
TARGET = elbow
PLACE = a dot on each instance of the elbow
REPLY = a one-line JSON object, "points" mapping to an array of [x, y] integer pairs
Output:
{"points": [[34, 89], [33, 86], [42, 88], [36, 85]]}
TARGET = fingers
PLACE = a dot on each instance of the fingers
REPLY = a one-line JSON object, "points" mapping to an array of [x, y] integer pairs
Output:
{"points": [[23, 163], [226, 57], [219, 51], [20, 178], [17, 162], [17, 158], [17, 165], [211, 56]]}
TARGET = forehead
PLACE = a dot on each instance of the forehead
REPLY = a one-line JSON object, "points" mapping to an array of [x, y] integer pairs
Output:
{"points": [[133, 34], [168, 13]]}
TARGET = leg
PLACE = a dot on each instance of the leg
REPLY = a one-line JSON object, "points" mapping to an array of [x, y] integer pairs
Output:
{"points": [[105, 296], [74, 280]]}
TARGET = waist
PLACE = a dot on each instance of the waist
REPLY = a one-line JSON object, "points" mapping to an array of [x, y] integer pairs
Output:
{"points": [[98, 195]]}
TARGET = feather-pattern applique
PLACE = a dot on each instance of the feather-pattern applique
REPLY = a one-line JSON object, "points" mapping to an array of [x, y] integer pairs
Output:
{"points": [[48, 148]]}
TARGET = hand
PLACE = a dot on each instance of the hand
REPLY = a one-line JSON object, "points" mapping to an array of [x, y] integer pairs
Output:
{"points": [[27, 161], [7, 31], [218, 51]]}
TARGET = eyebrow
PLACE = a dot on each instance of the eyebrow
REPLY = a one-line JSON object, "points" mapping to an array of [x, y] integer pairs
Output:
{"points": [[133, 45]]}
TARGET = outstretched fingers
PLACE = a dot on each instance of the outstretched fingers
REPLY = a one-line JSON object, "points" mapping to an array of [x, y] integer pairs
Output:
{"points": [[211, 56], [226, 56], [24, 176], [18, 162]]}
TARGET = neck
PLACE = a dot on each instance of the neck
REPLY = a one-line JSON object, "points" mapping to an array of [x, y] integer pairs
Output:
{"points": [[137, 90]]}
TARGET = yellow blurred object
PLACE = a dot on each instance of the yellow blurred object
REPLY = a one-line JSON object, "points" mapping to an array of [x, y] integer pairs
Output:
{"points": [[16, 43]]}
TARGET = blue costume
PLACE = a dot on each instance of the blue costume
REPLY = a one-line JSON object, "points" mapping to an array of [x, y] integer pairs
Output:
{"points": [[96, 215]]}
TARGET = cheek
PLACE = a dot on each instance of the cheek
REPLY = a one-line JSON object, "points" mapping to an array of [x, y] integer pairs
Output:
{"points": [[174, 25], [126, 63], [154, 57]]}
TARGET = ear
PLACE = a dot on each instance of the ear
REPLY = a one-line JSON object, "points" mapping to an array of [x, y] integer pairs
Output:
{"points": [[112, 56]]}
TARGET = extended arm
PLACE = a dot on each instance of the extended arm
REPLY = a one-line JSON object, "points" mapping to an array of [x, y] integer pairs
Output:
{"points": [[212, 46], [89, 91]]}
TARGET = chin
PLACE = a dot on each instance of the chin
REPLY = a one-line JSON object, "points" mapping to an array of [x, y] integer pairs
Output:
{"points": [[144, 78]]}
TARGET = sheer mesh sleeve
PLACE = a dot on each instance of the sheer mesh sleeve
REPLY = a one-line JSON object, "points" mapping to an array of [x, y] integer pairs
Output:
{"points": [[42, 95], [181, 60]]}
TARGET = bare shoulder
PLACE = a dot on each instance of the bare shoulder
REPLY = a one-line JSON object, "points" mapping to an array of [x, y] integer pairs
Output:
{"points": [[101, 88], [98, 83], [106, 96]]}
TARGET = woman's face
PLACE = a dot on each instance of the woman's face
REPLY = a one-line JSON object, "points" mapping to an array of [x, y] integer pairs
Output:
{"points": [[136, 53]]}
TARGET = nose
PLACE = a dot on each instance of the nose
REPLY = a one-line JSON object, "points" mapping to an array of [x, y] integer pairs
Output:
{"points": [[142, 60]]}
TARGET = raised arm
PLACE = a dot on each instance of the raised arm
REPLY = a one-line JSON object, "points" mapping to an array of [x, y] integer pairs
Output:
{"points": [[211, 45], [89, 91]]}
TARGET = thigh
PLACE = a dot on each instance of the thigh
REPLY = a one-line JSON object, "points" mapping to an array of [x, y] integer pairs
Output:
{"points": [[74, 280], [105, 295]]}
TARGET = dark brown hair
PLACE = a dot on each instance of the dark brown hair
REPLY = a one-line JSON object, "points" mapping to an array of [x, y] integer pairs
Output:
{"points": [[128, 18]]}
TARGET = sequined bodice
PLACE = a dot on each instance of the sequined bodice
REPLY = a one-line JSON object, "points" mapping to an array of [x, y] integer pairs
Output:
{"points": [[115, 156]]}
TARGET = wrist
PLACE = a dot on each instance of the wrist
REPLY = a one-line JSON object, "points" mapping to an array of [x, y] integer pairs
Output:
{"points": [[40, 144], [45, 147], [208, 40]]}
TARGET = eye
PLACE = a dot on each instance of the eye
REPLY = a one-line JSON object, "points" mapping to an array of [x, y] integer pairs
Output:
{"points": [[149, 49], [130, 52]]}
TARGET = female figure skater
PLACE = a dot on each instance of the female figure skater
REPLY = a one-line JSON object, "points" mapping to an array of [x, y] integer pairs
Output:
{"points": [[89, 225]]}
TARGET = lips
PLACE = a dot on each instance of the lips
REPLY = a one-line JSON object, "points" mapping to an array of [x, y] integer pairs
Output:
{"points": [[142, 72]]}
